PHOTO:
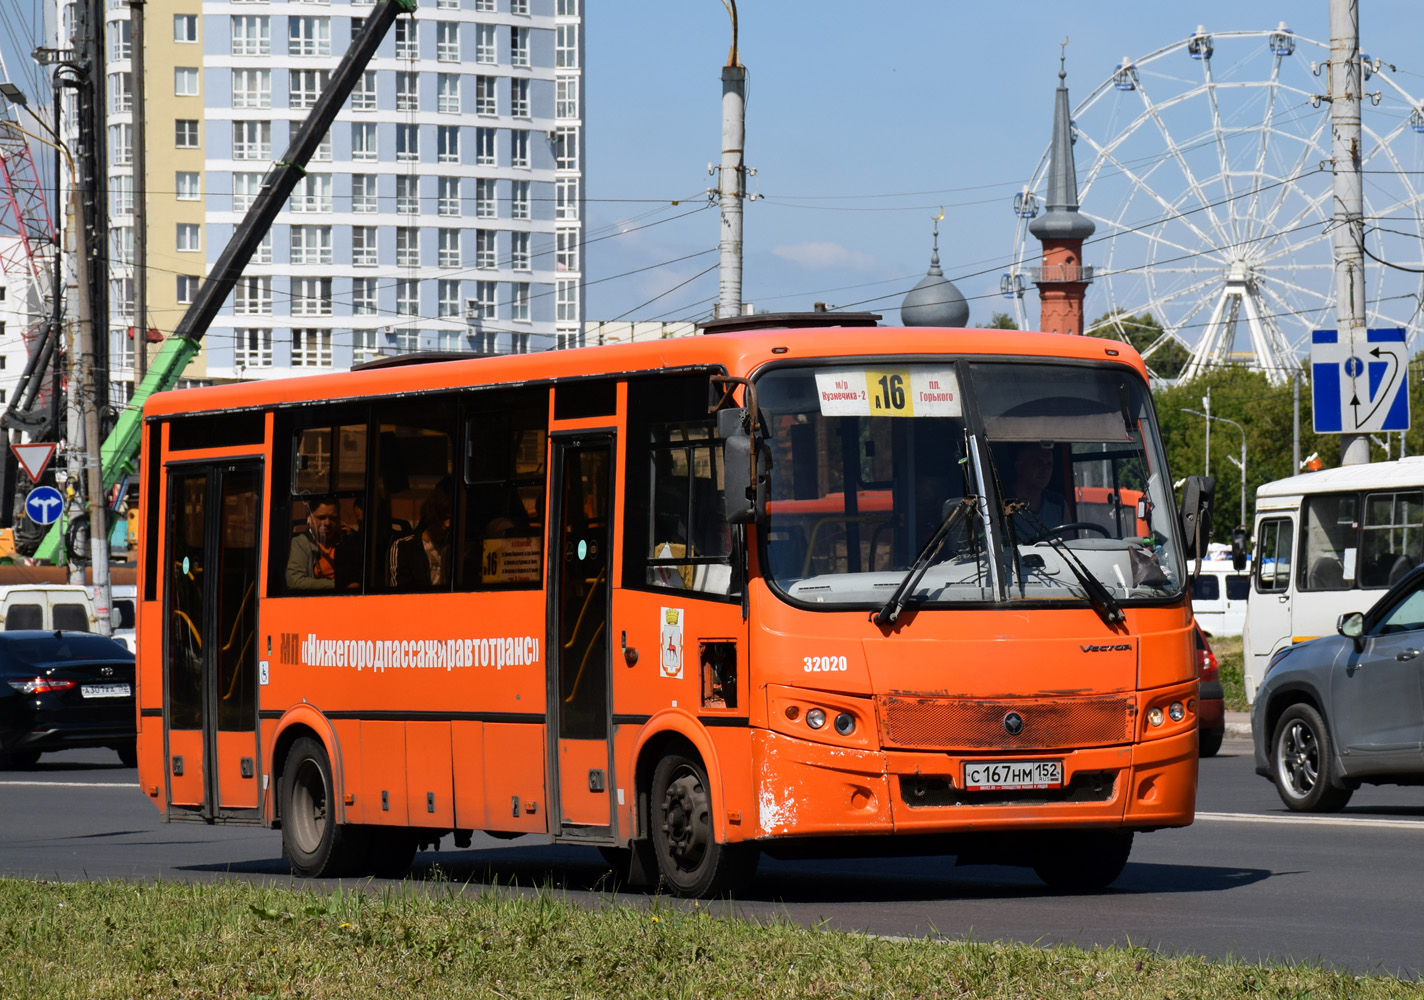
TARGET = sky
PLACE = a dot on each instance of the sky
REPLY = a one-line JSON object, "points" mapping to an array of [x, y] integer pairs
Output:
{"points": [[862, 122]]}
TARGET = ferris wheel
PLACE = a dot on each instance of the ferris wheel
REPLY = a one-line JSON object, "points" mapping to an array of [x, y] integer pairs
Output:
{"points": [[1205, 166]]}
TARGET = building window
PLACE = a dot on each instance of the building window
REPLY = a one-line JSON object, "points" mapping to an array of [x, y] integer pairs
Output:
{"points": [[519, 47], [309, 36], [311, 348], [566, 198], [447, 4], [121, 194], [120, 92], [519, 6], [253, 296], [251, 36], [363, 296], [188, 288], [186, 185], [120, 145], [407, 297], [311, 245], [120, 40], [121, 240], [408, 195], [185, 133], [486, 207], [304, 86], [407, 40], [363, 345], [252, 347], [252, 88], [323, 149], [485, 256], [566, 100], [448, 201], [185, 27], [484, 300], [484, 44], [484, 96], [449, 248], [407, 246], [363, 141], [311, 296], [185, 81], [519, 97], [407, 143], [189, 237], [407, 91], [519, 147], [448, 145], [447, 41], [566, 250], [567, 8], [363, 246], [484, 147], [251, 140], [486, 6], [519, 251], [312, 194], [263, 253], [448, 302], [363, 193], [519, 303], [519, 200], [566, 301], [566, 148], [448, 93], [363, 97], [566, 46], [244, 190]]}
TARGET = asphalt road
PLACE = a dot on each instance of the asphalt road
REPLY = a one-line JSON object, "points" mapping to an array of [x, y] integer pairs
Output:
{"points": [[1247, 880]]}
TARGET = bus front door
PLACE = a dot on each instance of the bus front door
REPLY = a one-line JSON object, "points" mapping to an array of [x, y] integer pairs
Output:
{"points": [[578, 683], [210, 655]]}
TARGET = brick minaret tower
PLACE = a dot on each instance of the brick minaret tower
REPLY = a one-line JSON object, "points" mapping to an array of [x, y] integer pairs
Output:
{"points": [[1062, 280]]}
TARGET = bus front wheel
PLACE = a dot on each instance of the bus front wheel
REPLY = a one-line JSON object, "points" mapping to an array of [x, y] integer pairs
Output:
{"points": [[1083, 861], [690, 860], [312, 840]]}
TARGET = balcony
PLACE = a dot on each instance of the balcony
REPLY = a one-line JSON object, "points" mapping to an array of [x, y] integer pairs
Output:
{"points": [[1060, 274]]}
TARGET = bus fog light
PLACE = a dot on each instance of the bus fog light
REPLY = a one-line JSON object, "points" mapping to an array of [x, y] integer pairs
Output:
{"points": [[793, 712], [1154, 716], [816, 718], [1176, 711], [845, 723]]}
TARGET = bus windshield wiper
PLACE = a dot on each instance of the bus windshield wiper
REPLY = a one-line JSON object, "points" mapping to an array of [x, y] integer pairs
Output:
{"points": [[893, 607], [1098, 596]]}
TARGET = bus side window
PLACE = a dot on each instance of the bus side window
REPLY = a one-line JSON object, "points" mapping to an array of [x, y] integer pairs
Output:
{"points": [[323, 548], [1390, 543], [1329, 547], [506, 448], [1273, 556], [412, 528]]}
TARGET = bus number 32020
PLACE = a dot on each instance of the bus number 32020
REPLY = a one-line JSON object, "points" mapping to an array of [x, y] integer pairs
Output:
{"points": [[825, 664]]}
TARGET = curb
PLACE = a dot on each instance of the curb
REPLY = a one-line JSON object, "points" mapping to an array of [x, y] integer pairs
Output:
{"points": [[1238, 724]]}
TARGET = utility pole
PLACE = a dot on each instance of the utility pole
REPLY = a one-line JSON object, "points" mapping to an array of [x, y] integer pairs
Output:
{"points": [[731, 177], [140, 205], [1345, 152]]}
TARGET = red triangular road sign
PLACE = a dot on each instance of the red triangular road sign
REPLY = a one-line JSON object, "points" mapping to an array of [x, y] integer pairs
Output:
{"points": [[33, 458]]}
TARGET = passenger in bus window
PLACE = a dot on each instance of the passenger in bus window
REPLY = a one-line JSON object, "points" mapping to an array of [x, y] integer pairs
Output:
{"points": [[1033, 471], [421, 560], [311, 561], [349, 547]]}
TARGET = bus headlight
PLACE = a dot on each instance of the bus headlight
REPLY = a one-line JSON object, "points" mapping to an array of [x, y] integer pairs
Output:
{"points": [[1154, 716], [845, 723], [1176, 711], [816, 718]]}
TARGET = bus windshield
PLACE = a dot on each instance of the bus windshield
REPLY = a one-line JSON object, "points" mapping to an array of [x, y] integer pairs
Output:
{"points": [[1058, 470]]}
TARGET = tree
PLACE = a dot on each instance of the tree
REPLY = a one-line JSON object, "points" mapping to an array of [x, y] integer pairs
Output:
{"points": [[1001, 321], [1142, 331]]}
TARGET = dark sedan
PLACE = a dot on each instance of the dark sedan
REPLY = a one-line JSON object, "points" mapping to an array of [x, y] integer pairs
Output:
{"points": [[64, 690], [1347, 709]]}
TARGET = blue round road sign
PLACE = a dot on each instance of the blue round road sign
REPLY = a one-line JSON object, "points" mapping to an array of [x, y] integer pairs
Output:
{"points": [[44, 504]]}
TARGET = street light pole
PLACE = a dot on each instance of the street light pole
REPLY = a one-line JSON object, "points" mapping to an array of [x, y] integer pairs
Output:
{"points": [[1209, 418]]}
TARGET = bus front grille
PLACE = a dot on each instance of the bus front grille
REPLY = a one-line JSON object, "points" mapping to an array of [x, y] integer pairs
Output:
{"points": [[929, 723]]}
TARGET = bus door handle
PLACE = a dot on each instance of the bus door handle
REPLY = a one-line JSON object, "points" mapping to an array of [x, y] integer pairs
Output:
{"points": [[1406, 654], [1284, 599]]}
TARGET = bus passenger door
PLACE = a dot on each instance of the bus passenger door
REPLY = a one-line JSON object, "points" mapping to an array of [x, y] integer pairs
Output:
{"points": [[579, 565], [210, 655], [1268, 625]]}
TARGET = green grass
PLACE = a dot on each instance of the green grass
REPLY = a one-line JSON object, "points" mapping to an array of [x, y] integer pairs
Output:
{"points": [[233, 939], [1231, 664]]}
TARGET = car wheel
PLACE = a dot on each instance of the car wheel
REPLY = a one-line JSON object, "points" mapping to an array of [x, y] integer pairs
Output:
{"points": [[1303, 762], [18, 760], [1209, 741], [1083, 861], [690, 862], [312, 840]]}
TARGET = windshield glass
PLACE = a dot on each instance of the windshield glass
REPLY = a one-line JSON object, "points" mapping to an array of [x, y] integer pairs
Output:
{"points": [[1061, 465]]}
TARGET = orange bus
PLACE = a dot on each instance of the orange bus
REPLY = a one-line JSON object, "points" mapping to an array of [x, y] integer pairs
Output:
{"points": [[827, 590]]}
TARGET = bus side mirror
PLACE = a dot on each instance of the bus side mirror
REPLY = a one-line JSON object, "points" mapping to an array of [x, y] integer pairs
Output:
{"points": [[1198, 498], [1239, 548], [745, 492]]}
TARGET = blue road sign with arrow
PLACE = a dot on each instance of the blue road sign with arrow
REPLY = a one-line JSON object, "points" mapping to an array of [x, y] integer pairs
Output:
{"points": [[1361, 387], [44, 504]]}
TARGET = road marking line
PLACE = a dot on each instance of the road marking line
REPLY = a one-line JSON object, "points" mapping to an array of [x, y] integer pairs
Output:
{"points": [[1391, 824], [69, 784]]}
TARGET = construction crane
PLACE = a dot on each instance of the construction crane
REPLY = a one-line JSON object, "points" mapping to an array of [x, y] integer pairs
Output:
{"points": [[119, 453]]}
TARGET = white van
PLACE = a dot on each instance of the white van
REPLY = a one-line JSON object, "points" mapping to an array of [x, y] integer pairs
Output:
{"points": [[49, 607], [1219, 597], [1327, 543]]}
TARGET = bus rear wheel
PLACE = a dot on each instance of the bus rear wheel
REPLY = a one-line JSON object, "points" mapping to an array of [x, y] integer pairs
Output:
{"points": [[312, 840], [690, 861], [1083, 861]]}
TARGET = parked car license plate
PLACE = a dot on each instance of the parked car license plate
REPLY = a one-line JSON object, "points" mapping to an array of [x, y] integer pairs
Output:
{"points": [[104, 690], [999, 775]]}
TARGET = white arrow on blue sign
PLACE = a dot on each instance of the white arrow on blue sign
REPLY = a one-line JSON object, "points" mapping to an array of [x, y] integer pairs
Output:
{"points": [[1361, 387], [44, 504]]}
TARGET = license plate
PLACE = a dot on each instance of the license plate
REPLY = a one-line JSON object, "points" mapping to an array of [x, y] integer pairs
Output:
{"points": [[1001, 775], [104, 690]]}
